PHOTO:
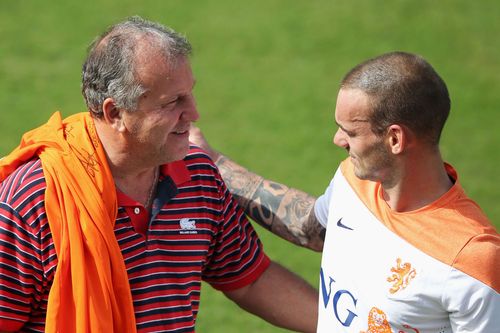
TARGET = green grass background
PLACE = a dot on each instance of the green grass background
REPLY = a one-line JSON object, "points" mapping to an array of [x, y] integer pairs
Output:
{"points": [[267, 75]]}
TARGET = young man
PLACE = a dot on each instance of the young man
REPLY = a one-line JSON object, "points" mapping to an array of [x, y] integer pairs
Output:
{"points": [[405, 250], [109, 221]]}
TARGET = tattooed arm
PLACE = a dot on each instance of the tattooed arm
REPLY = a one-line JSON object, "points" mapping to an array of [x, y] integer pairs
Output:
{"points": [[287, 212]]}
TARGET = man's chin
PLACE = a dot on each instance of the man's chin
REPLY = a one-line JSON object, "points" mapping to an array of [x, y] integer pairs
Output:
{"points": [[365, 175], [360, 173]]}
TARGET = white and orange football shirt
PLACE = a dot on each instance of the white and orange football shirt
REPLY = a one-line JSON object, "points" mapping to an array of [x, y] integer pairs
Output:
{"points": [[435, 269]]}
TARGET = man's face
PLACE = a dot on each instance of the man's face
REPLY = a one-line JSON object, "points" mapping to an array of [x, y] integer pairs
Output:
{"points": [[369, 154], [158, 131]]}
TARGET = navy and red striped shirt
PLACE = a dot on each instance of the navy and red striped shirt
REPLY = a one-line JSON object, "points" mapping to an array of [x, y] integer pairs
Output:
{"points": [[195, 232]]}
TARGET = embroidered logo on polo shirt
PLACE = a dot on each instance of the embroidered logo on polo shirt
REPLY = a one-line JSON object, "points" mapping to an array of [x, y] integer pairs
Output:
{"points": [[187, 226]]}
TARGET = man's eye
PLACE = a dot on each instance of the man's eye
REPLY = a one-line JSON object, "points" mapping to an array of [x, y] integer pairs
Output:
{"points": [[170, 103], [350, 134]]}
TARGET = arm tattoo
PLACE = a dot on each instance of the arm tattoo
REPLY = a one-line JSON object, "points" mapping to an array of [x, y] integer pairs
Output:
{"points": [[287, 212]]}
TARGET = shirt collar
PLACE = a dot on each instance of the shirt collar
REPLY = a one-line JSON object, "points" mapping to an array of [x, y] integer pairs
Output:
{"points": [[177, 171]]}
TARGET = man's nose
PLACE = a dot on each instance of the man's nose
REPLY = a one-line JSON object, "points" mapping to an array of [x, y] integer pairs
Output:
{"points": [[339, 139], [190, 111]]}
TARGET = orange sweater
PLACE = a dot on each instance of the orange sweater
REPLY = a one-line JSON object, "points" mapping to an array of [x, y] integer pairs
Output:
{"points": [[90, 291]]}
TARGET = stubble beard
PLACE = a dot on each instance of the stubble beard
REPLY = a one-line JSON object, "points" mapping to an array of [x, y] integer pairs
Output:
{"points": [[374, 164]]}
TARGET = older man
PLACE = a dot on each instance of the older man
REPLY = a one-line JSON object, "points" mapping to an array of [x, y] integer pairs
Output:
{"points": [[109, 221]]}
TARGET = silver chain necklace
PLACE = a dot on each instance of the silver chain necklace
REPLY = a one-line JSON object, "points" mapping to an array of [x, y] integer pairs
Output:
{"points": [[151, 194]]}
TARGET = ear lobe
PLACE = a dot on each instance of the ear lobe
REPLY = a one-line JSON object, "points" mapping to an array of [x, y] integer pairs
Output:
{"points": [[397, 139], [113, 116]]}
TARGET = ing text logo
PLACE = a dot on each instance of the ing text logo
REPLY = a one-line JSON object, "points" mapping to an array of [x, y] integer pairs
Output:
{"points": [[339, 298]]}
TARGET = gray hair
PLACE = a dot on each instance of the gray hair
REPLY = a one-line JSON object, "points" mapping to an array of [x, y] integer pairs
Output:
{"points": [[110, 67], [404, 89]]}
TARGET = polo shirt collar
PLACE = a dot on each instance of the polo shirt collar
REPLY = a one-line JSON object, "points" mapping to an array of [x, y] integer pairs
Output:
{"points": [[177, 171]]}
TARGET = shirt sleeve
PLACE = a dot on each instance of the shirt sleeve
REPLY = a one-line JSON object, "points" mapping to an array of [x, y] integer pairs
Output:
{"points": [[472, 305], [471, 296], [20, 270], [322, 205], [25, 250], [237, 258]]}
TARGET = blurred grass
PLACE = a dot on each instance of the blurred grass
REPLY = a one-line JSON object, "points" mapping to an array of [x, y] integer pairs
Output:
{"points": [[267, 73]]}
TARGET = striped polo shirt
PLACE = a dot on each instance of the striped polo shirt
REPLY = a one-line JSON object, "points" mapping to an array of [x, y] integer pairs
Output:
{"points": [[195, 232]]}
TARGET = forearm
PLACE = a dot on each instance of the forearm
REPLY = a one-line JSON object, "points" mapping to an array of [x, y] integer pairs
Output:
{"points": [[281, 298], [287, 212]]}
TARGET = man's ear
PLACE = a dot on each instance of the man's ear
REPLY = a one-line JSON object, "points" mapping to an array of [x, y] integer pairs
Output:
{"points": [[112, 115], [397, 138]]}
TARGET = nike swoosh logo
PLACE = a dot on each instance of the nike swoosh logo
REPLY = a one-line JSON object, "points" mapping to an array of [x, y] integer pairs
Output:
{"points": [[342, 225]]}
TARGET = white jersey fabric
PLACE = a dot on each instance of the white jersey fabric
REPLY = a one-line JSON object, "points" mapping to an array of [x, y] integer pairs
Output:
{"points": [[433, 270]]}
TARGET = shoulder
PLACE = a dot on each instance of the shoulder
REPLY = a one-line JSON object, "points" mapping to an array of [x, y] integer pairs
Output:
{"points": [[461, 235], [199, 164], [27, 180], [22, 203], [478, 242], [480, 259], [197, 157]]}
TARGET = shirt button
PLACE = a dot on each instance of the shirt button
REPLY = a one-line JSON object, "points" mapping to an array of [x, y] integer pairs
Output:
{"points": [[137, 210]]}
